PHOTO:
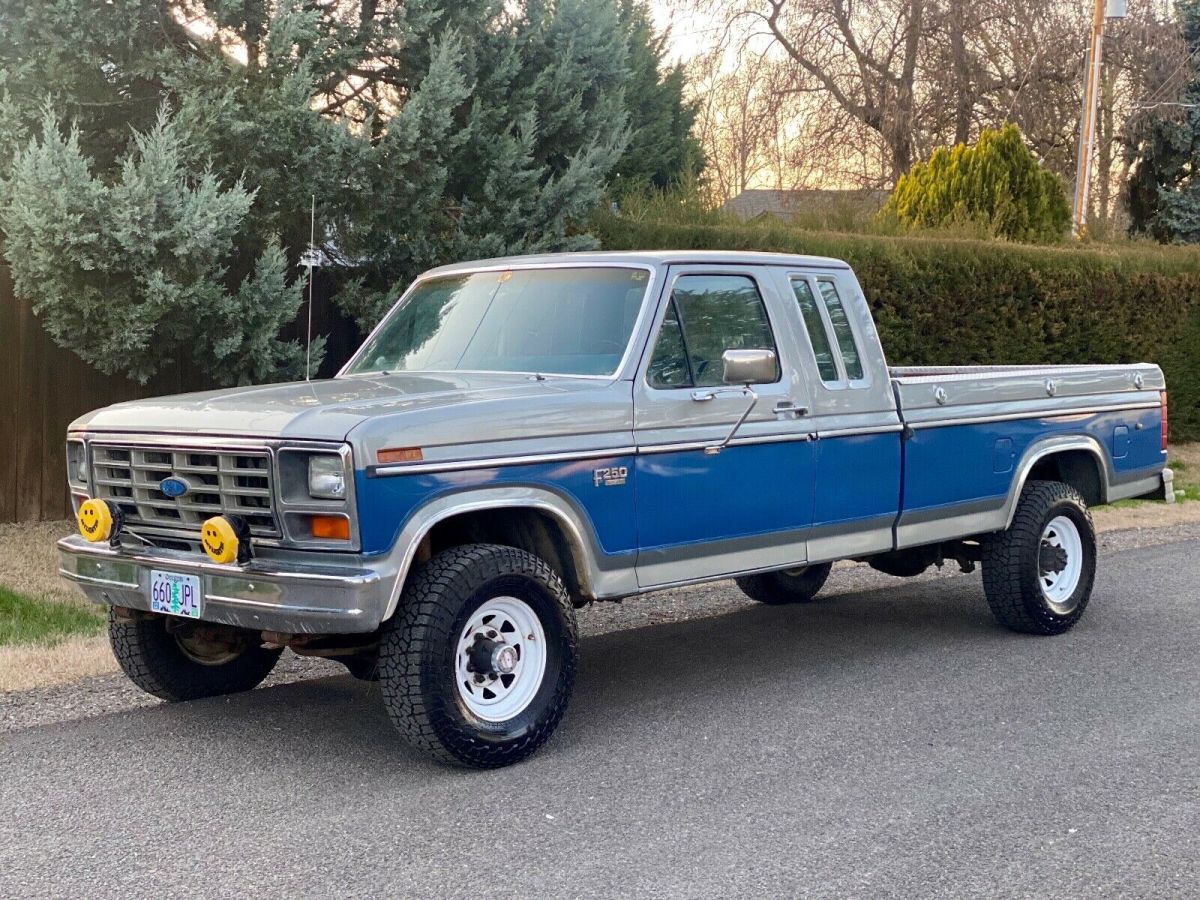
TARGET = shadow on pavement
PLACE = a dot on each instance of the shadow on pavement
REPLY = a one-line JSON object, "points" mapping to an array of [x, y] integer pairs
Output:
{"points": [[656, 671]]}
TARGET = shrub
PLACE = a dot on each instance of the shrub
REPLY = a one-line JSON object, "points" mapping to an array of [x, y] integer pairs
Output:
{"points": [[997, 184], [942, 302]]}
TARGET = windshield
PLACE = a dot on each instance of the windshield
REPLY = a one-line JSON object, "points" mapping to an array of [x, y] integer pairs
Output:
{"points": [[571, 321]]}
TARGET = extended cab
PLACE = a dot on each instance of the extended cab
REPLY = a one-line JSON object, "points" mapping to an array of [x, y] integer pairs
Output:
{"points": [[519, 437]]}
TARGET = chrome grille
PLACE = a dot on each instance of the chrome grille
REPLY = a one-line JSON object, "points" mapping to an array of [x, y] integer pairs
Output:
{"points": [[220, 482]]}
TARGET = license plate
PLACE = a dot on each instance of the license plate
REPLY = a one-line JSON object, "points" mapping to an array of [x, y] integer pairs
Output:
{"points": [[174, 594]]}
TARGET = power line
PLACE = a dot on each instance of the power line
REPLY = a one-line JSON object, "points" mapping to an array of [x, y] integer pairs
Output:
{"points": [[1158, 93], [1164, 103]]}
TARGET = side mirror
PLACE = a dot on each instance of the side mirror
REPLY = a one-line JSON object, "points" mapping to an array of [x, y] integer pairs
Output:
{"points": [[749, 366]]}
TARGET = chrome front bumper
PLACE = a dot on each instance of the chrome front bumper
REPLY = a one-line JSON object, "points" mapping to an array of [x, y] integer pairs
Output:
{"points": [[266, 594]]}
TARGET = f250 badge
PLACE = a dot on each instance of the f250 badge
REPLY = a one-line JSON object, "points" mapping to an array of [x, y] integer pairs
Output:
{"points": [[613, 476]]}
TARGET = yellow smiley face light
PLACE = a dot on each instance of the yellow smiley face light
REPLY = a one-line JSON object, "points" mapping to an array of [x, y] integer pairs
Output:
{"points": [[219, 539], [95, 520]]}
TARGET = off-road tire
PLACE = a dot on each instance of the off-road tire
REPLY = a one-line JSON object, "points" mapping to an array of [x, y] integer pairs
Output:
{"points": [[417, 655], [1011, 561], [153, 660], [778, 588]]}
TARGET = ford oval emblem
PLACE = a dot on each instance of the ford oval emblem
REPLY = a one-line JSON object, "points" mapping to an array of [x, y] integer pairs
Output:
{"points": [[174, 487]]}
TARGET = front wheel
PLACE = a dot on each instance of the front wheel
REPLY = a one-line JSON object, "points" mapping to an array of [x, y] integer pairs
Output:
{"points": [[800, 585], [478, 664], [1038, 574], [178, 660]]}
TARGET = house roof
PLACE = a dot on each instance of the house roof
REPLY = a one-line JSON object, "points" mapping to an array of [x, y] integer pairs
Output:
{"points": [[750, 204]]}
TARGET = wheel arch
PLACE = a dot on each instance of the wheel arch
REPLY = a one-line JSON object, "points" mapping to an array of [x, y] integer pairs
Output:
{"points": [[534, 519], [1077, 460]]}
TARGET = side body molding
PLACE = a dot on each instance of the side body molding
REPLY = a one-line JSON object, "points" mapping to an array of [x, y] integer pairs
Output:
{"points": [[601, 575]]}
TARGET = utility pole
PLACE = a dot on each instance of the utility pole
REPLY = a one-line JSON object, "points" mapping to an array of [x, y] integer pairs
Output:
{"points": [[1102, 9]]}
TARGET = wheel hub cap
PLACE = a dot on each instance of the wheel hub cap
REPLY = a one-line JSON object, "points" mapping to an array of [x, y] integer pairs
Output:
{"points": [[500, 659], [504, 660]]}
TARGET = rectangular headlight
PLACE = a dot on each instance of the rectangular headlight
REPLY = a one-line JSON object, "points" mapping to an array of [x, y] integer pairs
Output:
{"points": [[77, 473], [326, 477]]}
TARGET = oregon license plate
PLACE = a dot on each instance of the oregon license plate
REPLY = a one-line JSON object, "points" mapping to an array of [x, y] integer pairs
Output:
{"points": [[174, 594]]}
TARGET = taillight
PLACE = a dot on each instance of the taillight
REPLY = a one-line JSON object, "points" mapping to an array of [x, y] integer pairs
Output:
{"points": [[1162, 396]]}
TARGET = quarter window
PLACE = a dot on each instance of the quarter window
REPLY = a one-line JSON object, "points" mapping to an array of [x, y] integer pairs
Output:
{"points": [[707, 315], [827, 324], [816, 329], [841, 329]]}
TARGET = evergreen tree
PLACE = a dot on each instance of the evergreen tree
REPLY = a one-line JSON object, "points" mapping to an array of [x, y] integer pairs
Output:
{"points": [[997, 183], [427, 131], [130, 273], [1164, 153], [662, 150]]}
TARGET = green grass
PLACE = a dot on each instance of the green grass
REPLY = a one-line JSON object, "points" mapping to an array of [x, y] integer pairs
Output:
{"points": [[1130, 504], [1187, 480], [25, 620]]}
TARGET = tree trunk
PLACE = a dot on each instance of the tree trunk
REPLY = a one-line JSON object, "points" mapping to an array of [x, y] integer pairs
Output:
{"points": [[962, 72]]}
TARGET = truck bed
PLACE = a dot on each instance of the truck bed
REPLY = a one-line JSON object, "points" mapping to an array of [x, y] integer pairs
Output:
{"points": [[934, 393]]}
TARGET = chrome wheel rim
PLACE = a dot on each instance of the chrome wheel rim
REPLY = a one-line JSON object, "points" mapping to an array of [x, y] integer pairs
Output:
{"points": [[1060, 563], [500, 659]]}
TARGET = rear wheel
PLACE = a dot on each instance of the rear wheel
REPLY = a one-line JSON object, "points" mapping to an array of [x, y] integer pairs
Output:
{"points": [[1038, 575], [478, 664], [185, 661], [799, 585]]}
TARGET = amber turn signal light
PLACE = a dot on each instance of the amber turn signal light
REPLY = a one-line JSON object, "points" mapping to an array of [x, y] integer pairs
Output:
{"points": [[399, 455], [330, 528]]}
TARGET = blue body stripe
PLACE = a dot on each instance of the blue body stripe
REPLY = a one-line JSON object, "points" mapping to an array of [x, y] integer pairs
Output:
{"points": [[385, 504], [679, 498], [859, 478], [958, 463]]}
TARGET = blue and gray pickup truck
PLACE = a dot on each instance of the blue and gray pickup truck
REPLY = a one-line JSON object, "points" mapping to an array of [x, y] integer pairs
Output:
{"points": [[520, 437]]}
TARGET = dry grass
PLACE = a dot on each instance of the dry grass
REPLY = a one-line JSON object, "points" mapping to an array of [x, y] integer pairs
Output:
{"points": [[29, 566], [29, 561], [36, 666], [1188, 454], [1146, 515]]}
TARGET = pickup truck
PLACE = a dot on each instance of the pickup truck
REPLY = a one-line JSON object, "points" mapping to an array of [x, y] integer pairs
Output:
{"points": [[521, 437]]}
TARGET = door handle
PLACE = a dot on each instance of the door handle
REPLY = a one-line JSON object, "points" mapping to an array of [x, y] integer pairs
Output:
{"points": [[788, 408]]}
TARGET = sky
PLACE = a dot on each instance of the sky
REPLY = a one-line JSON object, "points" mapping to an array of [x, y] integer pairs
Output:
{"points": [[691, 32]]}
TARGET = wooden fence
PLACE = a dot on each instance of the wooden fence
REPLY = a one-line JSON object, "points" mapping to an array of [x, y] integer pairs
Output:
{"points": [[44, 387]]}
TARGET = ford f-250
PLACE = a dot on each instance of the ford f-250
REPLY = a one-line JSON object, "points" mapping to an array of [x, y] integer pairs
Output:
{"points": [[519, 437]]}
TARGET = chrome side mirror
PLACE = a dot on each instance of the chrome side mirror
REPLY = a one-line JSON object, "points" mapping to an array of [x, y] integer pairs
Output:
{"points": [[749, 366], [742, 368]]}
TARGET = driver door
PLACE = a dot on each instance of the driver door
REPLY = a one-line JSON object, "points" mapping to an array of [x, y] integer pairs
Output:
{"points": [[747, 507]]}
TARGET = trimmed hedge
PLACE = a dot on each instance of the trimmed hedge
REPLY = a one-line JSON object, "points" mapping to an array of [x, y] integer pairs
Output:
{"points": [[946, 301]]}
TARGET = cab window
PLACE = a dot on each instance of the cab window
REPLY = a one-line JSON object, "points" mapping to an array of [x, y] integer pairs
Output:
{"points": [[707, 315], [815, 325], [841, 328]]}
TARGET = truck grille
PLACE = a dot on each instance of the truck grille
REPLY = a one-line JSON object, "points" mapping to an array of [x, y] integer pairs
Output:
{"points": [[219, 482]]}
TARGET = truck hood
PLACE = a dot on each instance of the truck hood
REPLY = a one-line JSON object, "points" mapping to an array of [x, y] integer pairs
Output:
{"points": [[316, 410]]}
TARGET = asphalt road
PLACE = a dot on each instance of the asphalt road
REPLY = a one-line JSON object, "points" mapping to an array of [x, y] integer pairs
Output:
{"points": [[881, 742]]}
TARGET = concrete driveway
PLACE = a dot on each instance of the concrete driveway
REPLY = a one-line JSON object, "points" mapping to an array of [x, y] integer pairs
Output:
{"points": [[886, 742]]}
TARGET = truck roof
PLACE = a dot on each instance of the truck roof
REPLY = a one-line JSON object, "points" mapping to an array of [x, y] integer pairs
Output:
{"points": [[648, 258]]}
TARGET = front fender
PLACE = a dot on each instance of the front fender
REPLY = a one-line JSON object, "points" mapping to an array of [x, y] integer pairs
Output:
{"points": [[601, 575]]}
